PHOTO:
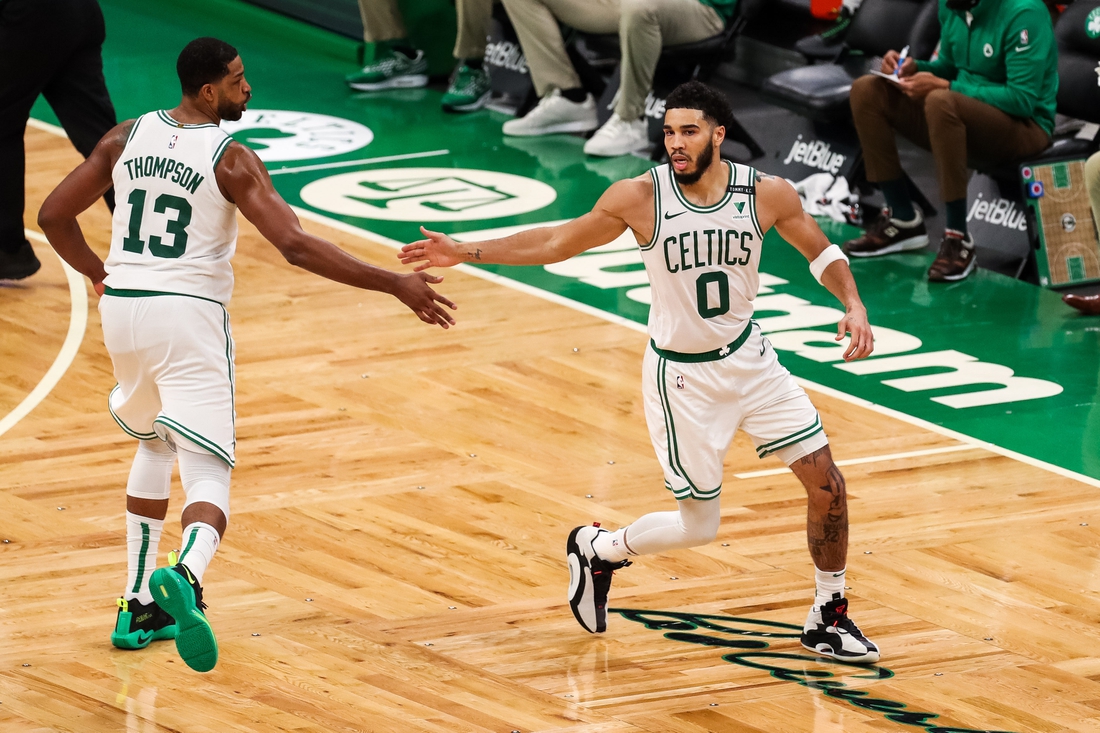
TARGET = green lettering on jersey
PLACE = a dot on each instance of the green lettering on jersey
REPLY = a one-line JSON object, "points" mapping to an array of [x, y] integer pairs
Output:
{"points": [[194, 184], [158, 167]]}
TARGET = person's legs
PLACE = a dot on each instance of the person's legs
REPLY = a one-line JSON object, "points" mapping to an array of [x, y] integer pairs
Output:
{"points": [[470, 87], [178, 589], [473, 28], [396, 63], [36, 37], [1092, 182], [536, 24], [694, 524], [962, 130], [381, 21], [139, 620], [828, 630], [880, 110], [646, 27], [77, 92]]}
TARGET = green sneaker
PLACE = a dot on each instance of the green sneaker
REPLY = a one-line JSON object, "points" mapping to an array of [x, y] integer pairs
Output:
{"points": [[469, 90], [391, 69], [179, 594], [138, 624]]}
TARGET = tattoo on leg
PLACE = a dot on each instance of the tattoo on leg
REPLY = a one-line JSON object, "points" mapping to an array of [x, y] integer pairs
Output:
{"points": [[826, 518]]}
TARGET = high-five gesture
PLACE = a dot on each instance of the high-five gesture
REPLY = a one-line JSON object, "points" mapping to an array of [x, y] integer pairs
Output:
{"points": [[438, 250], [412, 290]]}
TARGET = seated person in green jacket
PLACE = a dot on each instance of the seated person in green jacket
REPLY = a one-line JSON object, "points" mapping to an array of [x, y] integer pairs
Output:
{"points": [[988, 99]]}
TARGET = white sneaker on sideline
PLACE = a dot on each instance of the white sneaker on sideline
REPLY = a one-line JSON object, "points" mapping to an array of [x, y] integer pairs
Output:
{"points": [[555, 113], [619, 137]]}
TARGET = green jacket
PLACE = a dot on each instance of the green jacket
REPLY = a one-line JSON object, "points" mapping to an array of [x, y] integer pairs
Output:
{"points": [[1005, 56]]}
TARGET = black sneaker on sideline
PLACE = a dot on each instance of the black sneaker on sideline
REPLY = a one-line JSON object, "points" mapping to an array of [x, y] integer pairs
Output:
{"points": [[18, 264], [955, 260], [885, 237], [830, 633], [589, 579], [177, 591], [138, 624]]}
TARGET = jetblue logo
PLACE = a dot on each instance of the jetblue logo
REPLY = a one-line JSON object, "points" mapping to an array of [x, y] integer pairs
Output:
{"points": [[816, 154]]}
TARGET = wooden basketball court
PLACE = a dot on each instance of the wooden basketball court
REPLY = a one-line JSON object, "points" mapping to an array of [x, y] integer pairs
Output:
{"points": [[395, 557]]}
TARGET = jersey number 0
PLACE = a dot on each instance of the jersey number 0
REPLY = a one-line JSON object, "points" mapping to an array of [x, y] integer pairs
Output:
{"points": [[177, 227]]}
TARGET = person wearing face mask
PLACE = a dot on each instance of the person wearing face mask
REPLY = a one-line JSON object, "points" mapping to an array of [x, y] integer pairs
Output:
{"points": [[987, 99]]}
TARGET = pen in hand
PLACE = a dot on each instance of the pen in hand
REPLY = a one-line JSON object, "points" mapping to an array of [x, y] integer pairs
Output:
{"points": [[901, 61]]}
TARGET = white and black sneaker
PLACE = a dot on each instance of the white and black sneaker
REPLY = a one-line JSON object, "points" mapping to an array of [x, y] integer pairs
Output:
{"points": [[589, 579], [830, 633]]}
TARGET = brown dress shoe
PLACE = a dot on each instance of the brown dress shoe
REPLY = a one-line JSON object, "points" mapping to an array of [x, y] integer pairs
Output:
{"points": [[955, 261], [884, 237], [1087, 304]]}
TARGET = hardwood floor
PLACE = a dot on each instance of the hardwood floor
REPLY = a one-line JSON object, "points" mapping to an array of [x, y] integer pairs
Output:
{"points": [[394, 557]]}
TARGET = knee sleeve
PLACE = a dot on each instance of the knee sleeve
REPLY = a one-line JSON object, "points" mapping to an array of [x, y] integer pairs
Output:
{"points": [[151, 472], [699, 520], [205, 478]]}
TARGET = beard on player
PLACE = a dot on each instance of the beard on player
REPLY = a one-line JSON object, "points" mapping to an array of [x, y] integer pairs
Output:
{"points": [[691, 175], [232, 111]]}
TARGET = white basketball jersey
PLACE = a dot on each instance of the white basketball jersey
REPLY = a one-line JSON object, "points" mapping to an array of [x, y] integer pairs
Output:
{"points": [[173, 230], [703, 263]]}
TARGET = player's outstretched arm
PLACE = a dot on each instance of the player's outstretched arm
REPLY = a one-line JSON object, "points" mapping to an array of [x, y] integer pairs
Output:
{"points": [[540, 246], [799, 228], [244, 180], [79, 190]]}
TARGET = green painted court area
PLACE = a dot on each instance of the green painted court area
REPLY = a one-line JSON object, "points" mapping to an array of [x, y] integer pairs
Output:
{"points": [[992, 358]]}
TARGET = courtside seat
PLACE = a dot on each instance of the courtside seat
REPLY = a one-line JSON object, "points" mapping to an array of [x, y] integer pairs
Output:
{"points": [[820, 91]]}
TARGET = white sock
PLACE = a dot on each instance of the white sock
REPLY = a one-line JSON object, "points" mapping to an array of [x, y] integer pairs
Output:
{"points": [[142, 537], [200, 542], [829, 584], [696, 523], [610, 546]]}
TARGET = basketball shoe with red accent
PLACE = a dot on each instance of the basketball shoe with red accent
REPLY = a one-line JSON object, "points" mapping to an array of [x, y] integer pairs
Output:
{"points": [[830, 633], [589, 579]]}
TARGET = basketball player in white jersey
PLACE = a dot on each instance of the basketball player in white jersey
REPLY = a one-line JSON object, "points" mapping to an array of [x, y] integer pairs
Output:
{"points": [[179, 180], [700, 222]]}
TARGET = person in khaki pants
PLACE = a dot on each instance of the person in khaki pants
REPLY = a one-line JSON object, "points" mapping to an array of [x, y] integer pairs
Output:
{"points": [[398, 64], [644, 27]]}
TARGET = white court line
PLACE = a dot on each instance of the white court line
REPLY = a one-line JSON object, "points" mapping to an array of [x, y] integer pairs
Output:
{"points": [[362, 161], [78, 322], [867, 459], [554, 298]]}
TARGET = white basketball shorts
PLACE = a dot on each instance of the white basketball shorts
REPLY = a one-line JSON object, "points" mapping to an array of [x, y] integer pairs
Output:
{"points": [[694, 403], [173, 360]]}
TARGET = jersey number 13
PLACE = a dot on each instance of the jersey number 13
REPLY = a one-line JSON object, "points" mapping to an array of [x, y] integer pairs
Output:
{"points": [[177, 226]]}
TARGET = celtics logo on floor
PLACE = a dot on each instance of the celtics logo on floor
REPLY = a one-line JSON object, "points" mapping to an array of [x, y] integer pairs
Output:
{"points": [[428, 194], [278, 135]]}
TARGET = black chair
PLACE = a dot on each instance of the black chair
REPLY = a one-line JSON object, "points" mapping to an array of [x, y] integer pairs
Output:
{"points": [[820, 91]]}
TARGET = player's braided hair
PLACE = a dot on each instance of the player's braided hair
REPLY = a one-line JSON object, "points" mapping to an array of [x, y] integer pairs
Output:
{"points": [[696, 95], [203, 61]]}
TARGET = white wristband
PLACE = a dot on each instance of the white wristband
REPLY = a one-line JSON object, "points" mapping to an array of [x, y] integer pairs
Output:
{"points": [[827, 257]]}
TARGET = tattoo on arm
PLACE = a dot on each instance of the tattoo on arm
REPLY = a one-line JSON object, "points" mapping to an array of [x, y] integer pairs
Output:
{"points": [[761, 176], [475, 255]]}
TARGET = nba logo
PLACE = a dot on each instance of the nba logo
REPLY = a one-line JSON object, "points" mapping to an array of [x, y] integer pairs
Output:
{"points": [[1035, 190], [172, 142], [679, 382]]}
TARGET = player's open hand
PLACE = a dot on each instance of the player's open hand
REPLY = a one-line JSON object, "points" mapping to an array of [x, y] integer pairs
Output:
{"points": [[413, 290], [863, 341], [438, 250]]}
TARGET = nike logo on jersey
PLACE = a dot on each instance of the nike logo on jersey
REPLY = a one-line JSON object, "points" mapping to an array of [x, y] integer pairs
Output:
{"points": [[673, 216]]}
